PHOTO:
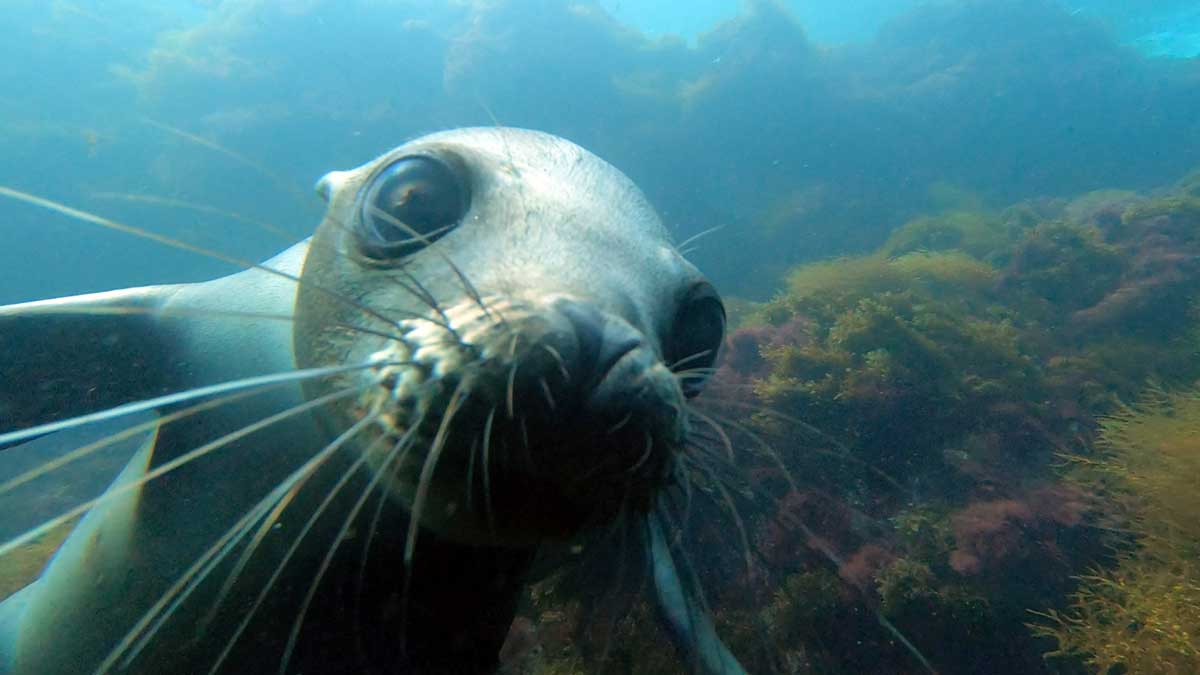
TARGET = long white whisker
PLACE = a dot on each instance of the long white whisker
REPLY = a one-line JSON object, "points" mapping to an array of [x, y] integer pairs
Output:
{"points": [[374, 527], [134, 310], [674, 367], [400, 447], [717, 429], [119, 310], [431, 460], [486, 459], [171, 242], [743, 535], [208, 561], [180, 397], [287, 556], [167, 467], [167, 202], [692, 239], [186, 583], [305, 472], [283, 184], [119, 436]]}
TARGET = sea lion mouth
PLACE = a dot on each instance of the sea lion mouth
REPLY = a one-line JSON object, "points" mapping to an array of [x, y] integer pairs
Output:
{"points": [[523, 421]]}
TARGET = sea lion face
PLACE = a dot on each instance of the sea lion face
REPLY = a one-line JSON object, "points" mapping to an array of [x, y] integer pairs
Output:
{"points": [[522, 309]]}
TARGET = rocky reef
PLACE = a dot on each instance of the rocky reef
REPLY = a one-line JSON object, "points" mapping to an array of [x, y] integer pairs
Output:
{"points": [[936, 466]]}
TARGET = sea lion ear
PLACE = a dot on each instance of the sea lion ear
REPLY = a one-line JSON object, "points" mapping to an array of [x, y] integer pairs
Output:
{"points": [[330, 183], [71, 356]]}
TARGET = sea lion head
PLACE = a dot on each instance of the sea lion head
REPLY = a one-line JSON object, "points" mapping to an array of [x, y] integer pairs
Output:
{"points": [[532, 334]]}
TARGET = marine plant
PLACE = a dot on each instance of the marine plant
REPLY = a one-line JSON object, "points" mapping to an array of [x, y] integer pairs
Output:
{"points": [[1067, 265], [977, 233], [902, 356], [1142, 614]]}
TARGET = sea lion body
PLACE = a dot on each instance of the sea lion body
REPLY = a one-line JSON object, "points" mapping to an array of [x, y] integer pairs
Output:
{"points": [[538, 324]]}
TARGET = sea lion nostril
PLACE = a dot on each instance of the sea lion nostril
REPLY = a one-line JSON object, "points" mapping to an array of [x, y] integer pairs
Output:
{"points": [[602, 341]]}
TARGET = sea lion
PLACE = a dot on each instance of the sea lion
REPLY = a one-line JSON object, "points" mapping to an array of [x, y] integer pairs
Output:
{"points": [[488, 343]]}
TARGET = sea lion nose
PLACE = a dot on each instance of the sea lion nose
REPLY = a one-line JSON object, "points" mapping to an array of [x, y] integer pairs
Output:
{"points": [[602, 341], [628, 404]]}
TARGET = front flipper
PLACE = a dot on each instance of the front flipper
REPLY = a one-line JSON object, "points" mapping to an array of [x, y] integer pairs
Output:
{"points": [[35, 619], [686, 620], [70, 356]]}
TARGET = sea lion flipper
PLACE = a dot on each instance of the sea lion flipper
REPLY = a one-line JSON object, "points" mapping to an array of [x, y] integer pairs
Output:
{"points": [[685, 619], [68, 357], [78, 582], [71, 356]]}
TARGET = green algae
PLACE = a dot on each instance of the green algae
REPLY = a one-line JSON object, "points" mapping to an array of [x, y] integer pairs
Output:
{"points": [[1143, 613]]}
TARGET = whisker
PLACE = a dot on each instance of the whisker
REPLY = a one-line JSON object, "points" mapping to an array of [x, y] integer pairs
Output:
{"points": [[364, 558], [182, 588], [417, 290], [717, 429], [547, 393], [645, 455], [280, 182], [181, 397], [281, 496], [470, 478], [307, 470], [510, 395], [291, 551], [130, 310], [90, 448], [136, 310], [167, 202], [558, 358], [673, 367], [688, 494], [167, 467], [487, 471], [699, 235], [843, 452], [171, 242], [401, 446], [619, 424], [695, 373], [422, 494], [523, 424], [374, 526], [428, 238], [469, 287], [743, 536], [426, 476]]}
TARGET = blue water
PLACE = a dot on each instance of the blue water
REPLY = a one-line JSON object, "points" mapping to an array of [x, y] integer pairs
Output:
{"points": [[794, 131], [850, 110]]}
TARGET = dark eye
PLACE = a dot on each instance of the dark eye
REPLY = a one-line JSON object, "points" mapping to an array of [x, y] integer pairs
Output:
{"points": [[696, 337], [409, 205]]}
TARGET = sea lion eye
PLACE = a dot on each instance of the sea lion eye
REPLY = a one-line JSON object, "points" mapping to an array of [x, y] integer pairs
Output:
{"points": [[410, 204], [696, 336]]}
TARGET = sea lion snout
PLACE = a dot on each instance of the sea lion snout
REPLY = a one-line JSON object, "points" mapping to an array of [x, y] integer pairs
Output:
{"points": [[630, 408]]}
